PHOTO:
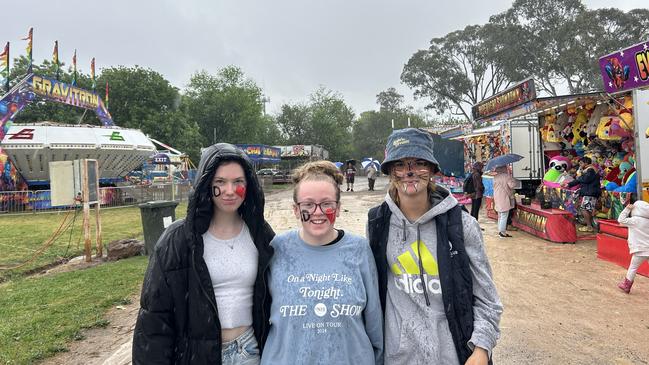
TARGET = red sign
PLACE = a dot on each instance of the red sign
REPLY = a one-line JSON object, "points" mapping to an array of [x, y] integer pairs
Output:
{"points": [[510, 98]]}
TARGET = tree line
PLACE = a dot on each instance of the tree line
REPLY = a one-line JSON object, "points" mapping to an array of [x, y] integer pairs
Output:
{"points": [[557, 42]]}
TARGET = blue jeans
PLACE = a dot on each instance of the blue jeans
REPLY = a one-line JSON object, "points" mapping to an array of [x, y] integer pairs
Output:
{"points": [[243, 350], [502, 221]]}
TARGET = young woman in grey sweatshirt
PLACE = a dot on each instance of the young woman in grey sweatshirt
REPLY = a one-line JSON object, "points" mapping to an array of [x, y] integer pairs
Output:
{"points": [[435, 283]]}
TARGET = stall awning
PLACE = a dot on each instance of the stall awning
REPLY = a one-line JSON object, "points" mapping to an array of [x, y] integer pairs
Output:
{"points": [[479, 132]]}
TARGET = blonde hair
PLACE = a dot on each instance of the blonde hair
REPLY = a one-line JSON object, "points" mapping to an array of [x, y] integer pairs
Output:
{"points": [[317, 171]]}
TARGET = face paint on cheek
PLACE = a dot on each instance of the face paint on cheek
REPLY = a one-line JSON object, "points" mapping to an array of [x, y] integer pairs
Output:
{"points": [[241, 191], [216, 192], [331, 215], [305, 216]]}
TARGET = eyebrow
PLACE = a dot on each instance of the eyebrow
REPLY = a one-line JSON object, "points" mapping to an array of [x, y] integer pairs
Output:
{"points": [[235, 179]]}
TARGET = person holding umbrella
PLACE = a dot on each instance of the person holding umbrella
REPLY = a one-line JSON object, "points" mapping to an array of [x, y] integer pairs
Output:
{"points": [[371, 177], [504, 185]]}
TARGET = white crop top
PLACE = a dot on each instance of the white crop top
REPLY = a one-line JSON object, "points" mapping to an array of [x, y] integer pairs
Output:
{"points": [[232, 265]]}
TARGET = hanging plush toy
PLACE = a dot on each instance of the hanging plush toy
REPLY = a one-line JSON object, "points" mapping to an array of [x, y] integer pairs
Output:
{"points": [[558, 164], [593, 122], [605, 126]]}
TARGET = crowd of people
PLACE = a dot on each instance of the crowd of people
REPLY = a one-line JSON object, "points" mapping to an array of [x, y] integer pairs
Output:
{"points": [[222, 288]]}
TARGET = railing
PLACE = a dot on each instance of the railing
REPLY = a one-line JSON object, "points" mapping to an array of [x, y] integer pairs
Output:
{"points": [[12, 202]]}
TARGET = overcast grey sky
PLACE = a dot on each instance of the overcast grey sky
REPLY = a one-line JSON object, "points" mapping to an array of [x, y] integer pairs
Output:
{"points": [[289, 47]]}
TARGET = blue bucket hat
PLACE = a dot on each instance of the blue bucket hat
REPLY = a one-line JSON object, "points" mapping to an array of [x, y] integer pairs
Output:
{"points": [[409, 143]]}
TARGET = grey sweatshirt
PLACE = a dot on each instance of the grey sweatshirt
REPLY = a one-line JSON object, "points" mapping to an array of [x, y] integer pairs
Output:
{"points": [[326, 307], [418, 334]]}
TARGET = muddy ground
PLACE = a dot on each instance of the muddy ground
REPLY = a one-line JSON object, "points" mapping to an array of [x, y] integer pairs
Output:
{"points": [[561, 303]]}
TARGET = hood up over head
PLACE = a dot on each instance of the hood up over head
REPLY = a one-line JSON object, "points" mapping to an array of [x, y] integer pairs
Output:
{"points": [[201, 208]]}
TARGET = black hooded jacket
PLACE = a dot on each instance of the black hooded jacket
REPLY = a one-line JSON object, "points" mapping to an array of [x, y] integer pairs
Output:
{"points": [[178, 320]]}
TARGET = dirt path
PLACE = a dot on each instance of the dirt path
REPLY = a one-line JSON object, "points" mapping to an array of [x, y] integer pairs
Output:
{"points": [[562, 305]]}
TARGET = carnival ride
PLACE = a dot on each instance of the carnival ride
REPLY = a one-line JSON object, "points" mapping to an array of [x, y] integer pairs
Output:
{"points": [[29, 148]]}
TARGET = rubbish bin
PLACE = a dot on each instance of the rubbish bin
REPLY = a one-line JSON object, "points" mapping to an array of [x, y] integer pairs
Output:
{"points": [[156, 216]]}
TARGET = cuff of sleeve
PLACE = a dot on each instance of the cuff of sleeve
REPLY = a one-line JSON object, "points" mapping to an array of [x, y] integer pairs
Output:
{"points": [[475, 342]]}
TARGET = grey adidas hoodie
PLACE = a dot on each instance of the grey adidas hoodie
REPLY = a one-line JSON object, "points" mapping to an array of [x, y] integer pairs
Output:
{"points": [[419, 334]]}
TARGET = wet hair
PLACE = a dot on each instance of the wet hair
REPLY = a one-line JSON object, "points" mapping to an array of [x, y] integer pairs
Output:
{"points": [[317, 171], [586, 160]]}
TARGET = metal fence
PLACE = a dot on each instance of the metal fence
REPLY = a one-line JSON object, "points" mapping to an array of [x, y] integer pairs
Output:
{"points": [[12, 202]]}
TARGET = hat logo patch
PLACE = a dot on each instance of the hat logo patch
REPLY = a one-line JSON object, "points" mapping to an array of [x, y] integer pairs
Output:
{"points": [[399, 141]]}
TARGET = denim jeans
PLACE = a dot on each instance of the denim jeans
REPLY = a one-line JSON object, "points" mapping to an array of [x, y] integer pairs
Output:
{"points": [[502, 221], [243, 350]]}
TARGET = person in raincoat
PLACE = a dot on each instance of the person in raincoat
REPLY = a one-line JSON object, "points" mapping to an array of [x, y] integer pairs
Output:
{"points": [[504, 185], [435, 282], [636, 217], [204, 297]]}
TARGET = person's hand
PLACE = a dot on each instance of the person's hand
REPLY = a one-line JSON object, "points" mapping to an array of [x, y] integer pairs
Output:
{"points": [[564, 184], [479, 357], [630, 206]]}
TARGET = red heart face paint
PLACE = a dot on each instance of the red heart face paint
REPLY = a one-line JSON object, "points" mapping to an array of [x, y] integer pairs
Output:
{"points": [[240, 190], [331, 215]]}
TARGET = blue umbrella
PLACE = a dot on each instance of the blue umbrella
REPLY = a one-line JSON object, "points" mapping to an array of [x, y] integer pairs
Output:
{"points": [[502, 160], [367, 162], [338, 164]]}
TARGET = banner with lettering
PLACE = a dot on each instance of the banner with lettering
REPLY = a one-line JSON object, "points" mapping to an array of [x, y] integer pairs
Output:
{"points": [[33, 86], [261, 153], [626, 69]]}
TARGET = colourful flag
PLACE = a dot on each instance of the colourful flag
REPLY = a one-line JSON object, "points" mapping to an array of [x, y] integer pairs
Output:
{"points": [[92, 73], [74, 68], [29, 39], [4, 66], [106, 103], [55, 59]]}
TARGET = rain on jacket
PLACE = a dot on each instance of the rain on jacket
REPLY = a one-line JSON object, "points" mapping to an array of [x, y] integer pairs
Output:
{"points": [[178, 319]]}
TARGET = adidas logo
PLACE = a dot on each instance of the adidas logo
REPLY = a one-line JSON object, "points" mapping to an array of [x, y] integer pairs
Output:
{"points": [[406, 271]]}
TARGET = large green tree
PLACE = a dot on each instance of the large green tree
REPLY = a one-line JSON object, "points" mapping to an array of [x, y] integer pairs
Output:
{"points": [[324, 120], [142, 98], [455, 72], [228, 107], [558, 42], [371, 130]]}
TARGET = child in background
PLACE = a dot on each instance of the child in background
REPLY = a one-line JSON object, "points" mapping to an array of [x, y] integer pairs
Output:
{"points": [[636, 217], [323, 281]]}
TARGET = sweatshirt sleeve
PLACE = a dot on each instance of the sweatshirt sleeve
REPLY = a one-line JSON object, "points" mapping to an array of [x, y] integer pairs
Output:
{"points": [[372, 315], [624, 218], [487, 308]]}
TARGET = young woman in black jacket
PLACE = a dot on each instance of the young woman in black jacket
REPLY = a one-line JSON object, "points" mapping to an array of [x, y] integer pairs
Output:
{"points": [[204, 297]]}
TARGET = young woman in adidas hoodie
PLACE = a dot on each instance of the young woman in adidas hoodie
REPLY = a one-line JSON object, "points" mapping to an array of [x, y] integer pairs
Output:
{"points": [[325, 307], [636, 217], [435, 283]]}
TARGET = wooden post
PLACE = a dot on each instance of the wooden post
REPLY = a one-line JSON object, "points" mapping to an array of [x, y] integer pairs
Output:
{"points": [[86, 210], [100, 247]]}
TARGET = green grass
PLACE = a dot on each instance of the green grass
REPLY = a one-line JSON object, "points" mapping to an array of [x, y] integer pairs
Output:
{"points": [[39, 315], [22, 235]]}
